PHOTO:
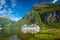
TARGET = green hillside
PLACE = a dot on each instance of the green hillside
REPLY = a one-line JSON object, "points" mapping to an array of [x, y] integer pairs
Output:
{"points": [[46, 15], [7, 26], [5, 21]]}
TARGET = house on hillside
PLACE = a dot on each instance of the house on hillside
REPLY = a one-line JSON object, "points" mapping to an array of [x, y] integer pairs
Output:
{"points": [[30, 29]]}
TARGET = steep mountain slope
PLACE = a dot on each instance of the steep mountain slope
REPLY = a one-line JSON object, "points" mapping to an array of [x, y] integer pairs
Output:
{"points": [[44, 15]]}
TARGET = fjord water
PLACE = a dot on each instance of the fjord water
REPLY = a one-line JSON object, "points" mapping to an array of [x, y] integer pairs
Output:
{"points": [[6, 35]]}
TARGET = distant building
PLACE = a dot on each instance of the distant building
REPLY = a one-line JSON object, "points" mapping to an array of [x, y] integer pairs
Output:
{"points": [[30, 28]]}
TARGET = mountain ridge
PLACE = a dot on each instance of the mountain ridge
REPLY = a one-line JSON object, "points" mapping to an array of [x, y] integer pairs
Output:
{"points": [[42, 14]]}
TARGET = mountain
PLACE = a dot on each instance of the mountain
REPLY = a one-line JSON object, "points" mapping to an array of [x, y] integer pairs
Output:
{"points": [[6, 24], [46, 15], [5, 21]]}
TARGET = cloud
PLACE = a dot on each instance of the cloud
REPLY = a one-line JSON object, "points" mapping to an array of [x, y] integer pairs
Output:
{"points": [[15, 18], [9, 11], [6, 11], [3, 16], [3, 11], [54, 1], [13, 4], [2, 2], [1, 7]]}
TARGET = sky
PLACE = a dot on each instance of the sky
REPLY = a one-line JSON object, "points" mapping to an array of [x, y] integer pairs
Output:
{"points": [[16, 9]]}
